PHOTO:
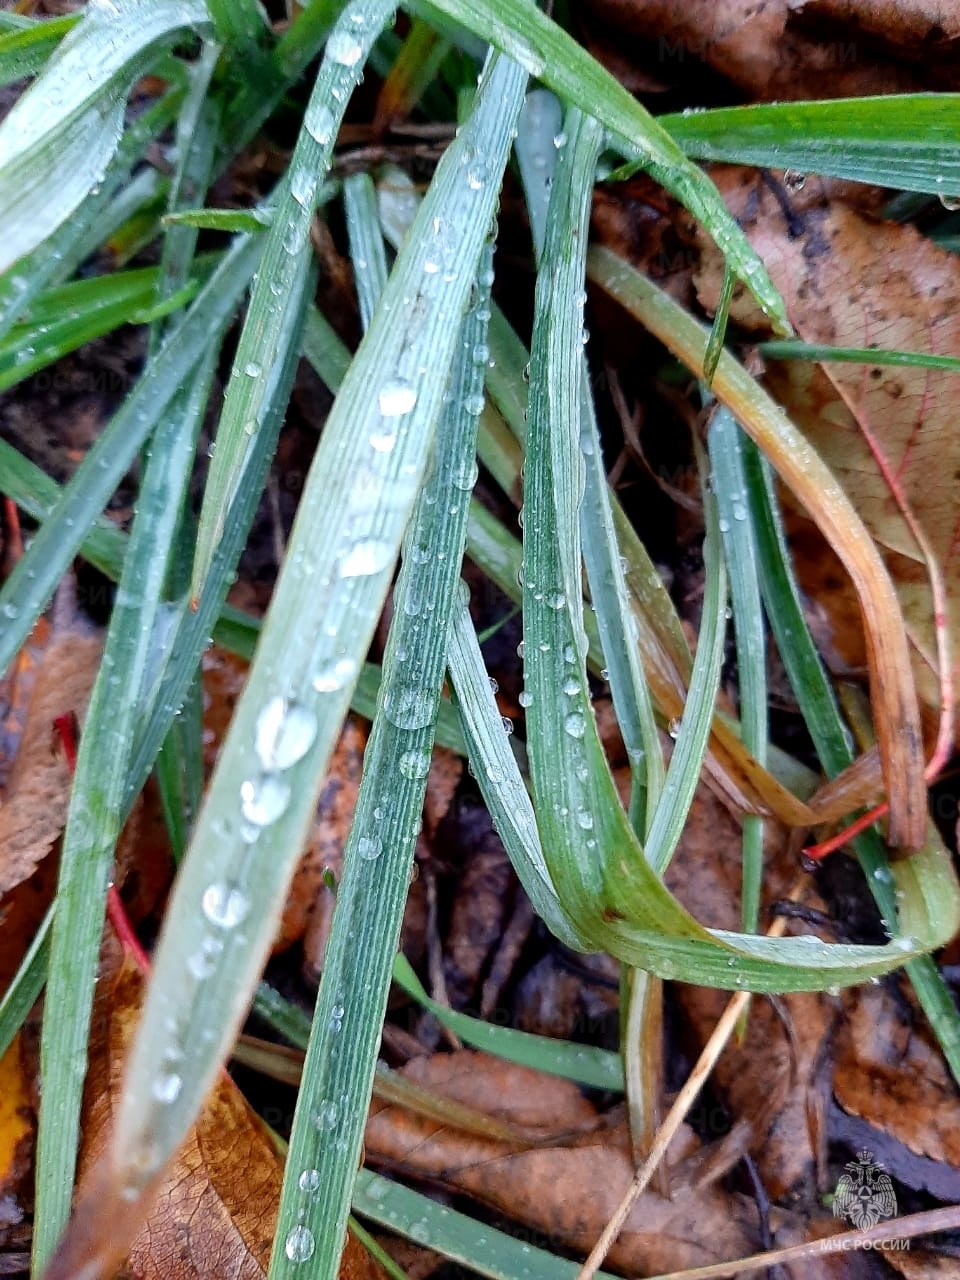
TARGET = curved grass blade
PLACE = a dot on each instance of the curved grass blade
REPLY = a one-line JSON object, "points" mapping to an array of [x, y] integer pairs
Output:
{"points": [[904, 141], [611, 891], [96, 808], [34, 579], [337, 1078], [355, 507], [61, 134], [62, 252], [524, 33], [896, 714], [287, 248], [597, 1068]]}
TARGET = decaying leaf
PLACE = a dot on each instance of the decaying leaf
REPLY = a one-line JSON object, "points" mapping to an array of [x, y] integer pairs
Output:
{"points": [[16, 1134], [771, 49], [545, 1188], [851, 281], [34, 809]]}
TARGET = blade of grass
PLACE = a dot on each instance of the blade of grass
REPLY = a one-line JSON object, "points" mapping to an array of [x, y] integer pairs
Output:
{"points": [[60, 254], [905, 141], [337, 1078], [323, 613], [823, 353], [24, 990], [287, 248], [32, 582], [729, 480], [96, 806], [61, 133]]}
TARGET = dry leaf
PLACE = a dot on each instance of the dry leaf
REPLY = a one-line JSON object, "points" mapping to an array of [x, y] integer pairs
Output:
{"points": [[16, 1134], [565, 1193], [34, 810], [765, 47]]}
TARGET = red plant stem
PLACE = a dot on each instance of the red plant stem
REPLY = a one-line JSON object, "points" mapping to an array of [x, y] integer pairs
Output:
{"points": [[68, 731]]}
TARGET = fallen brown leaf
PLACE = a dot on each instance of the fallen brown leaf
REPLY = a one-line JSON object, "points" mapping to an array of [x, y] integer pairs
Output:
{"points": [[564, 1192], [771, 49], [34, 809]]}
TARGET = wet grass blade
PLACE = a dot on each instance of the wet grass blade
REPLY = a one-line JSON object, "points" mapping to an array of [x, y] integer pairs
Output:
{"points": [[287, 249], [364, 479], [60, 135], [327, 1135], [32, 583], [96, 808], [908, 142]]}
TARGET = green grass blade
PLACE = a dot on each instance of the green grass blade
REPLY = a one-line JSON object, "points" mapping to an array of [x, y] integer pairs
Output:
{"points": [[24, 990], [857, 355], [62, 252], [34, 579], [524, 33], [285, 253], [63, 319], [822, 715], [478, 1247], [378, 857], [366, 243], [725, 442], [96, 808], [908, 142], [354, 509], [588, 1065], [24, 52], [61, 134]]}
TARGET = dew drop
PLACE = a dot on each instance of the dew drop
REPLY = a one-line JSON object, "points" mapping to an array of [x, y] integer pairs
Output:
{"points": [[575, 725], [166, 1087], [415, 764], [224, 905], [396, 398], [525, 698], [333, 675], [309, 1181], [263, 800], [328, 1113], [342, 48], [365, 557], [300, 1244], [285, 733], [793, 180], [320, 124], [674, 727], [556, 600], [571, 686], [419, 1231], [369, 847], [252, 369], [410, 707]]}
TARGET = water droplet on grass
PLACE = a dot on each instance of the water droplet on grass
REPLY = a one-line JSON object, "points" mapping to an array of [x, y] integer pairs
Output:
{"points": [[343, 48], [300, 1244], [285, 733], [263, 800], [365, 557], [224, 905], [575, 725], [396, 398], [333, 675]]}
